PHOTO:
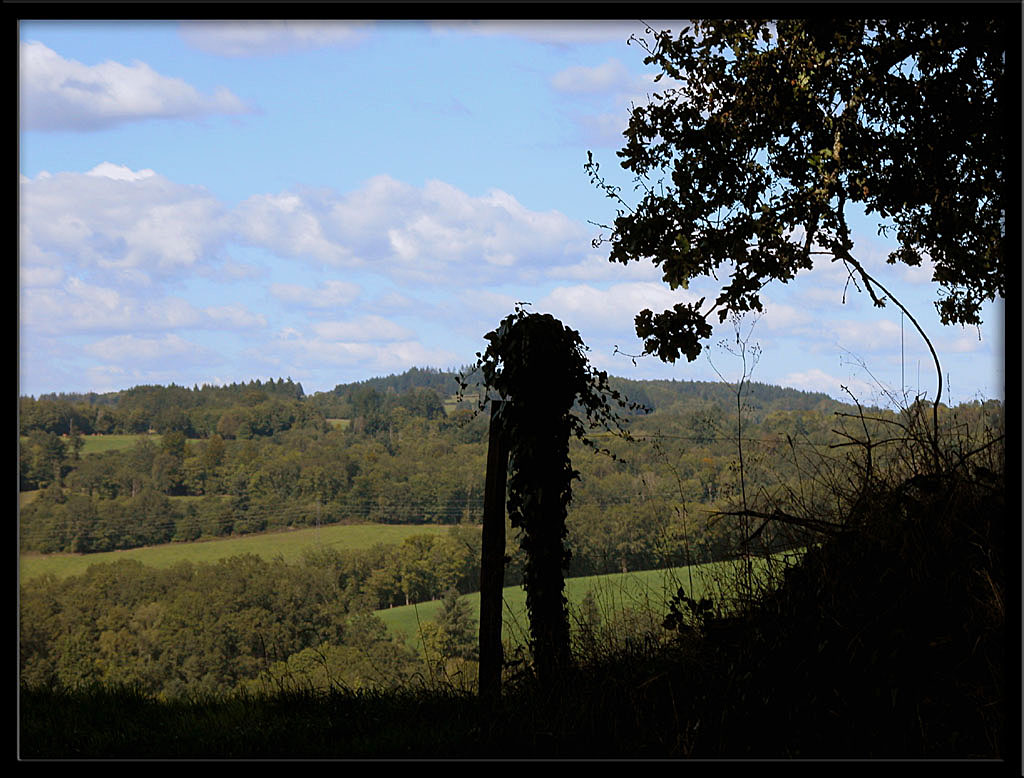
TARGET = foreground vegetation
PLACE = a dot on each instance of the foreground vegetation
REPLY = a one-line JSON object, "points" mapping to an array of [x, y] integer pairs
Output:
{"points": [[885, 642]]}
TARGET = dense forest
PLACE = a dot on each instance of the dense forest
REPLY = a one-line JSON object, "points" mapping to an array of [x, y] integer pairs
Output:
{"points": [[215, 462], [256, 457]]}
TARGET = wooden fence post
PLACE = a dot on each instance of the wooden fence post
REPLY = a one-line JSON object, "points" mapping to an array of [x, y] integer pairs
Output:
{"points": [[492, 558]]}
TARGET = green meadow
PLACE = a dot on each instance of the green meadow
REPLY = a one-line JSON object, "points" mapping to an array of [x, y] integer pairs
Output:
{"points": [[288, 544], [97, 444], [642, 592]]}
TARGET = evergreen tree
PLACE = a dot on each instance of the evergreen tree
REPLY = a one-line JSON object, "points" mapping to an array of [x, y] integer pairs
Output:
{"points": [[457, 629]]}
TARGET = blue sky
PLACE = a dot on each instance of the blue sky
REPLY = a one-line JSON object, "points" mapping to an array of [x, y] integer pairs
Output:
{"points": [[329, 201]]}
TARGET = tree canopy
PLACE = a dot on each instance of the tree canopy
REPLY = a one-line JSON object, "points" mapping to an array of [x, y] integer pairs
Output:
{"points": [[767, 134]]}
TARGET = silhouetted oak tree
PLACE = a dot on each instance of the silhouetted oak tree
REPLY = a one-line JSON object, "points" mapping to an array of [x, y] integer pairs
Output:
{"points": [[768, 133]]}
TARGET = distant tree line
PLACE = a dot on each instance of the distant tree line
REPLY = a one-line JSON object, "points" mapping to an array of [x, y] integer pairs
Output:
{"points": [[267, 407]]}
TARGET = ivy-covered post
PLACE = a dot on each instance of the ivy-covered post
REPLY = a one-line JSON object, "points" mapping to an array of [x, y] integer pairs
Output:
{"points": [[492, 557], [538, 367], [538, 505]]}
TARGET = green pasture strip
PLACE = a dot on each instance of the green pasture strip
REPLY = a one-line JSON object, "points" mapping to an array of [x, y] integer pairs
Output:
{"points": [[289, 544], [611, 592], [187, 499], [452, 401], [24, 498], [642, 591], [96, 444]]}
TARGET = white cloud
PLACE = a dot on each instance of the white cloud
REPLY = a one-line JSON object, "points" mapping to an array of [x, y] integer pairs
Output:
{"points": [[170, 313], [816, 296], [61, 94], [109, 378], [817, 380], [964, 341], [77, 306], [604, 129], [436, 234], [253, 38], [331, 294], [363, 329], [482, 308], [920, 275], [611, 77], [881, 335], [39, 276], [237, 271], [394, 301], [784, 319], [135, 223], [603, 95], [290, 227], [301, 354], [98, 248], [620, 299], [826, 287], [133, 349], [597, 267], [610, 311], [235, 316], [119, 172]]}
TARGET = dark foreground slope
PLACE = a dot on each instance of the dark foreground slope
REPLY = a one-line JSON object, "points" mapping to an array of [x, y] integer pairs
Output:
{"points": [[888, 641]]}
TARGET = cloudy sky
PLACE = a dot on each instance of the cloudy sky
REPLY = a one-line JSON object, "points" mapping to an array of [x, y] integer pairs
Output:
{"points": [[328, 201]]}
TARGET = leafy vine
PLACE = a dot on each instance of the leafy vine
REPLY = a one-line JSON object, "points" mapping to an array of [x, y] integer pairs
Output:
{"points": [[538, 368]]}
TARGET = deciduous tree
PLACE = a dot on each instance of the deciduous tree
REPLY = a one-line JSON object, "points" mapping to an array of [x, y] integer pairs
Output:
{"points": [[766, 136]]}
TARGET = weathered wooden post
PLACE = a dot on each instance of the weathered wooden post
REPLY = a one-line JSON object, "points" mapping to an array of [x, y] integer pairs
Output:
{"points": [[492, 558]]}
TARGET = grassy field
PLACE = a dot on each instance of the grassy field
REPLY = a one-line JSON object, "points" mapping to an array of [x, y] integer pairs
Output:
{"points": [[642, 590], [451, 403], [95, 444], [24, 498], [646, 591], [288, 543]]}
